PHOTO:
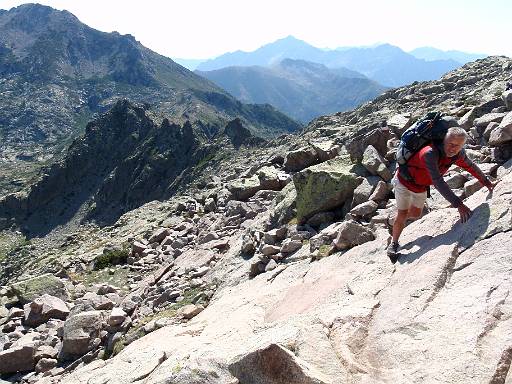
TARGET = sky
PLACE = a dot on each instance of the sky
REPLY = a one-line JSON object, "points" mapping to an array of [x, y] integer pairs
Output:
{"points": [[201, 29]]}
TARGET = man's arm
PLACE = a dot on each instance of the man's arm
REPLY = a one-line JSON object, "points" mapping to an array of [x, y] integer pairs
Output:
{"points": [[465, 162], [431, 160]]}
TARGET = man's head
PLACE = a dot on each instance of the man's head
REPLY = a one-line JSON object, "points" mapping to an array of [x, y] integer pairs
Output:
{"points": [[454, 141]]}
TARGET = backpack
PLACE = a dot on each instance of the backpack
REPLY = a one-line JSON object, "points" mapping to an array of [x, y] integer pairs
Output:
{"points": [[427, 130]]}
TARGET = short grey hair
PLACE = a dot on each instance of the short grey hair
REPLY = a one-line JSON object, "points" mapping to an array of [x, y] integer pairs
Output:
{"points": [[456, 132]]}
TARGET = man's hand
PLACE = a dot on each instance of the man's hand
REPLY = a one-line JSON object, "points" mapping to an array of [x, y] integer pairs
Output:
{"points": [[464, 212]]}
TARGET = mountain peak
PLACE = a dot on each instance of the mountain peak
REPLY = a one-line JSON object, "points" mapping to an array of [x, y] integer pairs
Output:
{"points": [[39, 11], [288, 41]]}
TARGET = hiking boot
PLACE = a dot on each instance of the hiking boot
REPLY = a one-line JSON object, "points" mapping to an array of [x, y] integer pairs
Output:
{"points": [[393, 251]]}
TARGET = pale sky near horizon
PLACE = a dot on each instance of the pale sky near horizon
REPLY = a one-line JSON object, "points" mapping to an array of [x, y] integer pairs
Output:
{"points": [[199, 29]]}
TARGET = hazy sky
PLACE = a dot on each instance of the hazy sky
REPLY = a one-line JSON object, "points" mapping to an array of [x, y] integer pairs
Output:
{"points": [[208, 28]]}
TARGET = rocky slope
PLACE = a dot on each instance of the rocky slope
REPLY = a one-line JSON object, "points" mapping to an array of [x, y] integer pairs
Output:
{"points": [[301, 89], [56, 72], [276, 272]]}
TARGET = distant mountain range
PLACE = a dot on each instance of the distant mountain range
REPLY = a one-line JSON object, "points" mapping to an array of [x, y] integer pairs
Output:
{"points": [[301, 89], [385, 64], [56, 72], [431, 54]]}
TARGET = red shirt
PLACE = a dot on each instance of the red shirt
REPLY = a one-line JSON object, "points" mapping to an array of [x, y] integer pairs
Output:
{"points": [[428, 166]]}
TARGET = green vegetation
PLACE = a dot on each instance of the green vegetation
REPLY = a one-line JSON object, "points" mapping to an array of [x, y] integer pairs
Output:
{"points": [[10, 241], [118, 347], [177, 368], [118, 279], [205, 160], [111, 257], [82, 118], [323, 251]]}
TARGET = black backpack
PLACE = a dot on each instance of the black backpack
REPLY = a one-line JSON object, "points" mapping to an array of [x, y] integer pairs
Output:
{"points": [[429, 129]]}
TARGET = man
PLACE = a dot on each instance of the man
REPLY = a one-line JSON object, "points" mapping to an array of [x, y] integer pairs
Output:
{"points": [[426, 168]]}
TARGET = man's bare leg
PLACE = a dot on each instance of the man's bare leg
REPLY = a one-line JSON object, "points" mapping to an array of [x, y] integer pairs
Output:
{"points": [[401, 218]]}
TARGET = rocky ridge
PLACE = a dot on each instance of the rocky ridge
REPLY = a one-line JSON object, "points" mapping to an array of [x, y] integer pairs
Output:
{"points": [[56, 73], [290, 244]]}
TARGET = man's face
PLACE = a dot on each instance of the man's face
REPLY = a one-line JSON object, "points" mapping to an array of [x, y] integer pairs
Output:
{"points": [[452, 145]]}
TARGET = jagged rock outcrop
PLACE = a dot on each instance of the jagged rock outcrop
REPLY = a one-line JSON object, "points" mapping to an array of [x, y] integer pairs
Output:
{"points": [[123, 161]]}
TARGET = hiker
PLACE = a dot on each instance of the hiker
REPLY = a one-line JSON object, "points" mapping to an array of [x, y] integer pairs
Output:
{"points": [[427, 167]]}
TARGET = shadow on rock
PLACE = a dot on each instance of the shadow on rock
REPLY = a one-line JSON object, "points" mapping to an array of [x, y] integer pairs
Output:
{"points": [[463, 234]]}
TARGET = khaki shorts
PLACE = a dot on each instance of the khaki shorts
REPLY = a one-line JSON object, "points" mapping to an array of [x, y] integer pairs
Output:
{"points": [[405, 197]]}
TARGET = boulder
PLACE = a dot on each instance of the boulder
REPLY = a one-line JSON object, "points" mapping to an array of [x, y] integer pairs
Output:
{"points": [[43, 309], [318, 240], [207, 238], [80, 332], [138, 248], [158, 235], [272, 264], [285, 205], [380, 193], [271, 178], [326, 150], [244, 188], [117, 316], [30, 289], [377, 138], [364, 209], [268, 249], [46, 351], [487, 132], [17, 359], [45, 364], [321, 218], [375, 163], [248, 246], [484, 121], [351, 234], [507, 99], [466, 121], [456, 180], [241, 208], [14, 313], [210, 205], [191, 310], [300, 159], [200, 272], [324, 186], [502, 133], [92, 300], [364, 190], [399, 123], [256, 266], [274, 364], [275, 235], [290, 246], [504, 169]]}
